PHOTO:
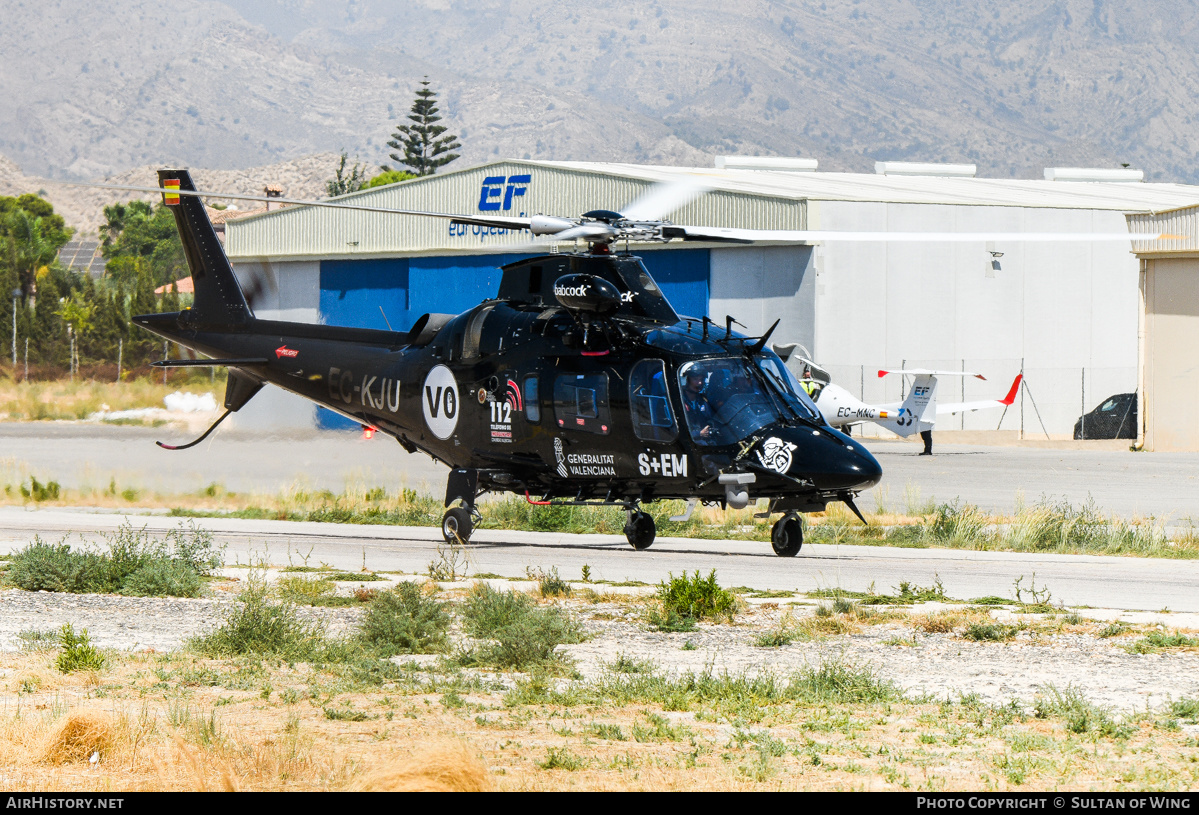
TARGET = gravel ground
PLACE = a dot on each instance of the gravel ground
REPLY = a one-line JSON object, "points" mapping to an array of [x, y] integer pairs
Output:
{"points": [[937, 664]]}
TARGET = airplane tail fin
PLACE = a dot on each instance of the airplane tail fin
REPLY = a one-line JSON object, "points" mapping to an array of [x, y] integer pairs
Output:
{"points": [[921, 402], [219, 300], [1011, 395]]}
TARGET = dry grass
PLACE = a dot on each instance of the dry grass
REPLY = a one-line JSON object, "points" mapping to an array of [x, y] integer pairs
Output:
{"points": [[946, 621], [446, 767], [485, 743], [80, 737], [179, 722], [64, 399]]}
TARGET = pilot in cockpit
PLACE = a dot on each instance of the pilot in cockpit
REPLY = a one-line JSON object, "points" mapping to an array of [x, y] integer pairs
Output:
{"points": [[695, 404]]}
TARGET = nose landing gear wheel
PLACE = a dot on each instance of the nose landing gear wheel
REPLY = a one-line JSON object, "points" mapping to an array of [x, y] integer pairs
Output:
{"points": [[787, 536], [456, 525], [640, 530]]}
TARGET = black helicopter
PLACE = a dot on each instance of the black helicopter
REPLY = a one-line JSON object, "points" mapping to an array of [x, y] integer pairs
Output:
{"points": [[577, 384]]}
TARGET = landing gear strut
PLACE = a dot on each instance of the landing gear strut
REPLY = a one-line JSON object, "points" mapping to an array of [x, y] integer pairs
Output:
{"points": [[640, 529], [457, 524], [787, 535]]}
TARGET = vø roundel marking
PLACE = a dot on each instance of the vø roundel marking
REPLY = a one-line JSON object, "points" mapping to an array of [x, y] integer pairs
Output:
{"points": [[439, 399]]}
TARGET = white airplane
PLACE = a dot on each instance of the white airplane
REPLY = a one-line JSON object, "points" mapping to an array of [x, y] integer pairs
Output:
{"points": [[916, 414]]}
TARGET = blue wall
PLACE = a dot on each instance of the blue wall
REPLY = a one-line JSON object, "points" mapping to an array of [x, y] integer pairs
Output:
{"points": [[352, 291], [683, 276]]}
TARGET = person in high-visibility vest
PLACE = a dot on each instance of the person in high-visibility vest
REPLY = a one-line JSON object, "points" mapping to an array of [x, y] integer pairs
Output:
{"points": [[808, 383]]}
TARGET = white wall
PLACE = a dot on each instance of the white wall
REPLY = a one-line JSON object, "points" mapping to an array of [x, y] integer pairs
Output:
{"points": [[757, 285], [1061, 307]]}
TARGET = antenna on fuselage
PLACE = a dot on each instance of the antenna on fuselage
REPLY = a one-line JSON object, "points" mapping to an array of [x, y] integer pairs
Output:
{"points": [[760, 344]]}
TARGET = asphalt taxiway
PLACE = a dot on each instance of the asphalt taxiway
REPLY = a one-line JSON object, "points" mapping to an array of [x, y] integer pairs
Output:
{"points": [[1162, 485], [1123, 483]]}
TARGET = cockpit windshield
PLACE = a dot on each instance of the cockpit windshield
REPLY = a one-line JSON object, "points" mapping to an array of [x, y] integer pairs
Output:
{"points": [[726, 400], [780, 378]]}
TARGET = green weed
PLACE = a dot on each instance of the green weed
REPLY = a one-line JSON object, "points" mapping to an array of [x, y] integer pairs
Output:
{"points": [[1079, 715], [1186, 708], [37, 640], [549, 584], [1156, 641], [78, 653], [990, 632], [259, 626], [697, 598], [405, 621], [523, 634], [303, 590], [562, 759]]}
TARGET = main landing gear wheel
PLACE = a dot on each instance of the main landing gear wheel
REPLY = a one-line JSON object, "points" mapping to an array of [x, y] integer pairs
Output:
{"points": [[787, 536], [456, 525], [640, 530]]}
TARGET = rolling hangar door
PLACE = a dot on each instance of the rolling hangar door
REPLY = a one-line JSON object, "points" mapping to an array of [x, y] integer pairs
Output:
{"points": [[1169, 364], [398, 291]]}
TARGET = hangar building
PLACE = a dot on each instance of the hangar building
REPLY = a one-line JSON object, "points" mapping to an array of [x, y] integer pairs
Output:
{"points": [[1066, 314], [1169, 328]]}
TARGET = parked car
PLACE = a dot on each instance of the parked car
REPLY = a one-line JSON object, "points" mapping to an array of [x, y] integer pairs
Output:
{"points": [[1115, 418]]}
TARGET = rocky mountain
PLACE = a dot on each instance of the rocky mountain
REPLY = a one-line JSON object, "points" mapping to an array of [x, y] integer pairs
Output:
{"points": [[89, 90], [83, 207]]}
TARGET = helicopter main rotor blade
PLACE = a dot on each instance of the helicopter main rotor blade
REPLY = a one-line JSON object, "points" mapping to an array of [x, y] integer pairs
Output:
{"points": [[700, 233], [500, 221], [663, 198]]}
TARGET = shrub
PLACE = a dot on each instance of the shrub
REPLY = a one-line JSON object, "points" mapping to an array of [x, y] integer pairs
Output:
{"points": [[696, 597], [524, 634], [258, 626], [78, 653], [163, 578], [39, 492], [405, 621], [133, 563], [54, 567]]}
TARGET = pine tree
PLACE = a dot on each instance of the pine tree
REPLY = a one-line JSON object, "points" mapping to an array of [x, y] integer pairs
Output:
{"points": [[423, 145]]}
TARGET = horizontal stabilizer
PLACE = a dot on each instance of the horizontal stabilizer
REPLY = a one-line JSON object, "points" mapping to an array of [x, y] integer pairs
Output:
{"points": [[926, 372], [963, 407], [207, 363]]}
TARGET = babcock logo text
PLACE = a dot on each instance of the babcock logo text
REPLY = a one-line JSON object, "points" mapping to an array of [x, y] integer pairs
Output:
{"points": [[498, 191]]}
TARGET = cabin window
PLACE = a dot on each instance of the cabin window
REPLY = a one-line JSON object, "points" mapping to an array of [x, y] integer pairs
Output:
{"points": [[653, 420], [581, 403], [532, 406]]}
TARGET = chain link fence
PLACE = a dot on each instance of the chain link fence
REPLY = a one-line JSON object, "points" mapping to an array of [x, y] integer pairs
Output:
{"points": [[1048, 404]]}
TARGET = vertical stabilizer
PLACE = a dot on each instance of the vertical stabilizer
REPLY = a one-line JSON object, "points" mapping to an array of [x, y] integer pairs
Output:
{"points": [[922, 400], [219, 300]]}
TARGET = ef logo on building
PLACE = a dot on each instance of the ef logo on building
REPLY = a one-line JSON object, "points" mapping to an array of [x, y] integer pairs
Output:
{"points": [[498, 191]]}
